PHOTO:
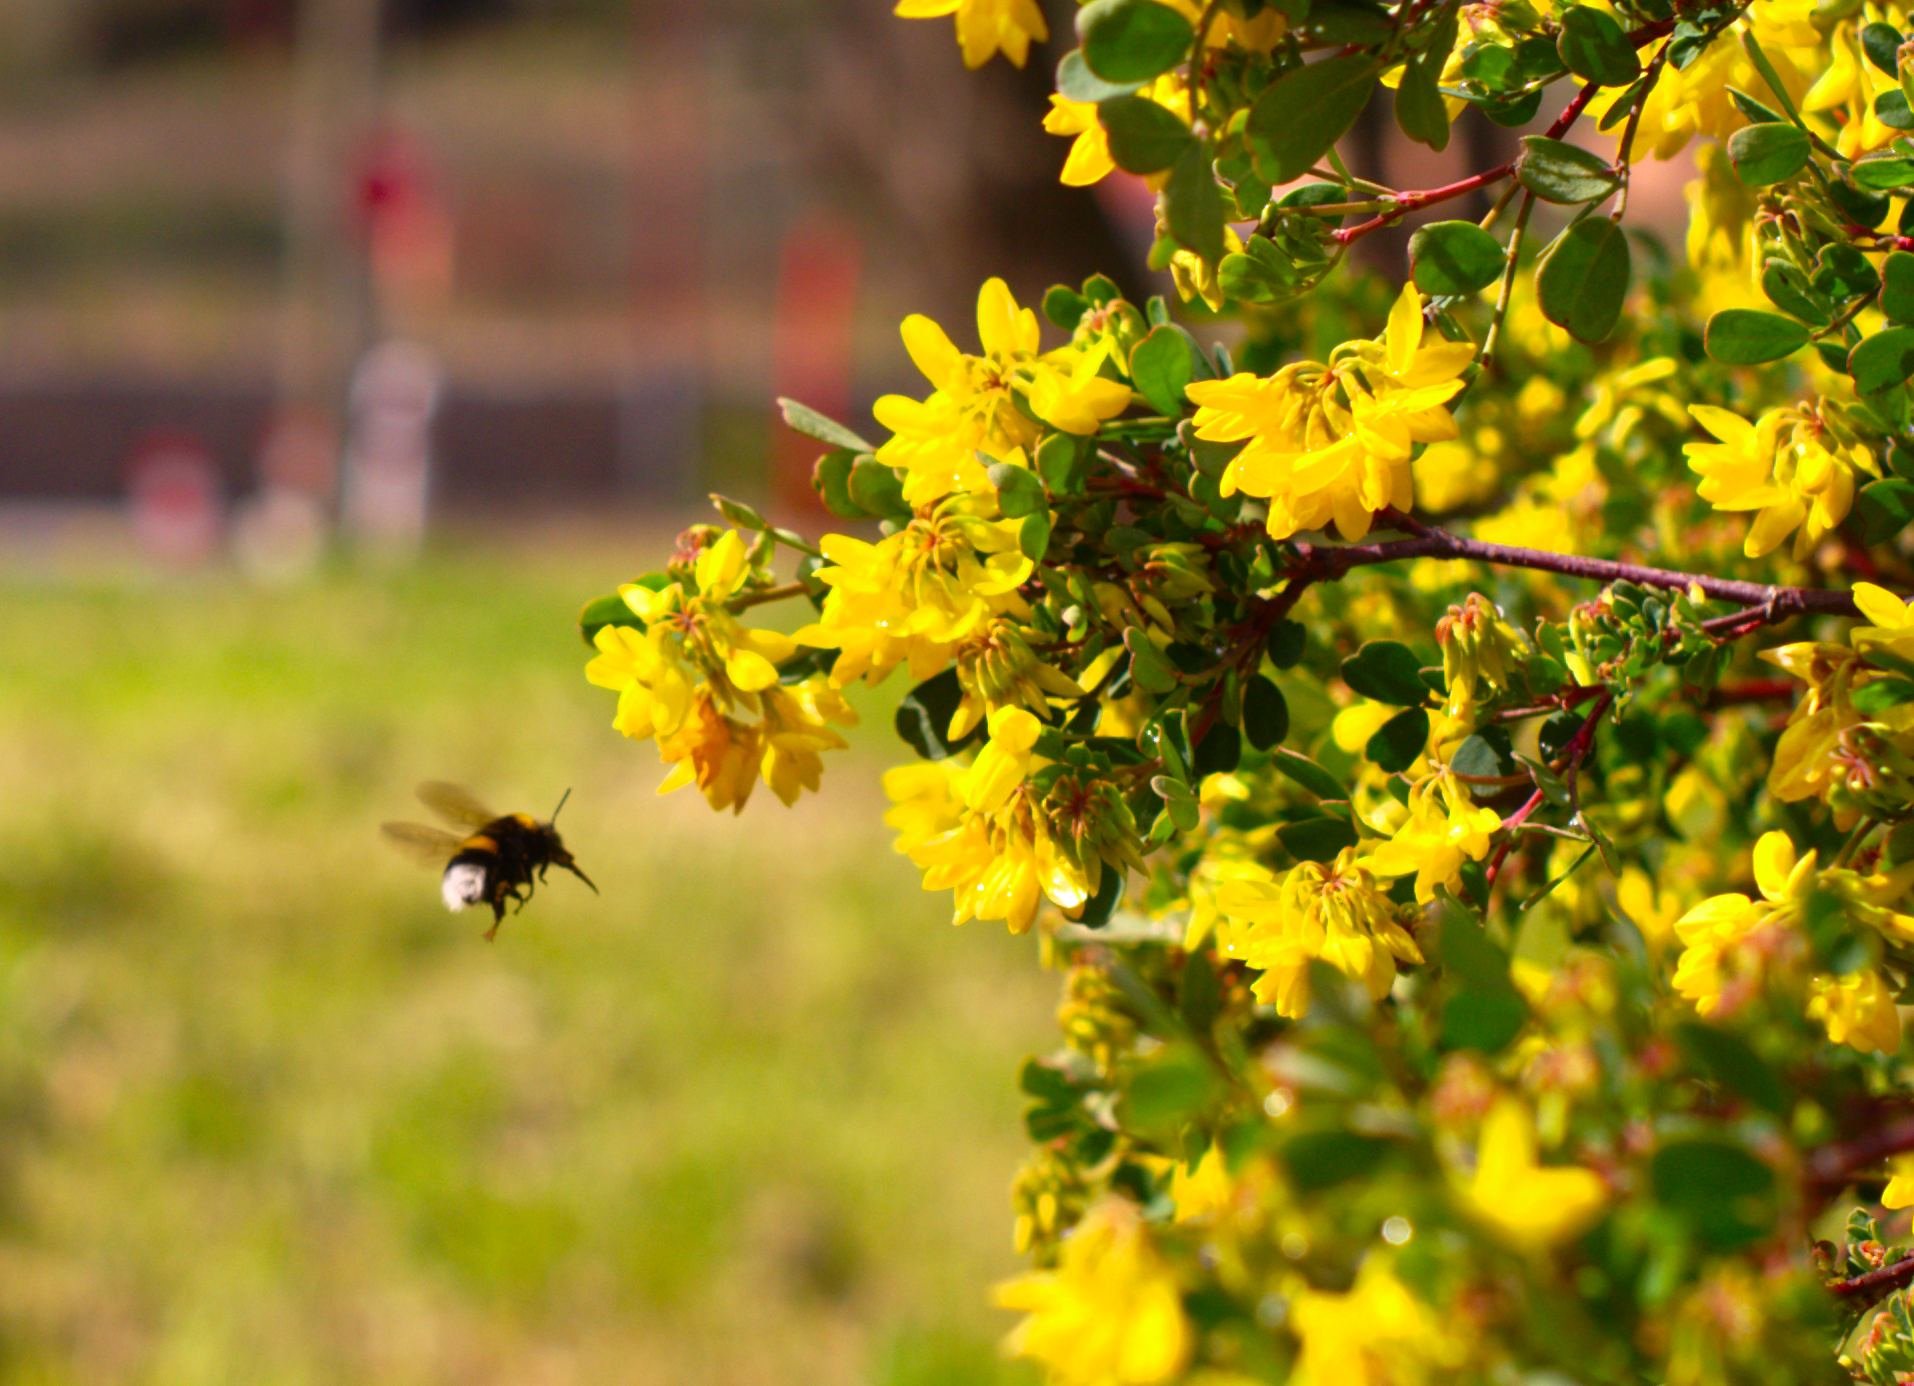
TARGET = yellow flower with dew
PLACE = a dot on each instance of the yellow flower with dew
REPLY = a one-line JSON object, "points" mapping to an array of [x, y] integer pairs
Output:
{"points": [[1376, 1333], [1331, 912], [986, 28], [973, 405], [1524, 1202], [1443, 830], [1332, 443], [1110, 1314]]}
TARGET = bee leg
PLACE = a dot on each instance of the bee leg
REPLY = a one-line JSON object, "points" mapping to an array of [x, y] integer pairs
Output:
{"points": [[498, 916]]}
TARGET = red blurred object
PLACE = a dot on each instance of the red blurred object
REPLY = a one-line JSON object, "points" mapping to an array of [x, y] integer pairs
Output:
{"points": [[407, 227], [172, 487], [820, 265]]}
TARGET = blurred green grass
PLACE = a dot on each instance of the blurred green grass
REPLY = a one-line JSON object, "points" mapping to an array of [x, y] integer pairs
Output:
{"points": [[269, 1115]]}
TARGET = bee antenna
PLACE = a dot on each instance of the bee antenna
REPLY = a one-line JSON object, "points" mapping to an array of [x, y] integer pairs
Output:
{"points": [[561, 804]]}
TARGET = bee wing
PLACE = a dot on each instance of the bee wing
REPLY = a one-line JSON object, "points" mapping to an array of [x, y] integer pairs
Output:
{"points": [[455, 804], [427, 846]]}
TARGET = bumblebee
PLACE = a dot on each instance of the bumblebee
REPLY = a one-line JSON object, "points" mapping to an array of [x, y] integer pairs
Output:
{"points": [[499, 857]]}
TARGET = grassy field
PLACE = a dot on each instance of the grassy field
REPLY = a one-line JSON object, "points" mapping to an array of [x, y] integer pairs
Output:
{"points": [[269, 1115]]}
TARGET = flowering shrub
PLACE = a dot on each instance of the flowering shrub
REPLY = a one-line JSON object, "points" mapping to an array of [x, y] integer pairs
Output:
{"points": [[1451, 725]]}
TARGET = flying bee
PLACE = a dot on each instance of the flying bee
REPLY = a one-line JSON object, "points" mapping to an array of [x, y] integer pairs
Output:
{"points": [[495, 858]]}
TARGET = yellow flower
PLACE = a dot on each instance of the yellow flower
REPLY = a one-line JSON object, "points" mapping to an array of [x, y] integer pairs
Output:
{"points": [[1333, 443], [1713, 932], [1089, 158], [1375, 1334], [915, 596], [1444, 828], [973, 405], [1109, 1314], [1653, 913], [1479, 649], [707, 689], [1332, 913], [1204, 1191], [1526, 1203], [1857, 1010], [1899, 1192], [1004, 761], [985, 27], [1787, 466], [1893, 628]]}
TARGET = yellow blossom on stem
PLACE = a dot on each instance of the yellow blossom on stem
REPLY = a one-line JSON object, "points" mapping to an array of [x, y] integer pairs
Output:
{"points": [[973, 405], [1526, 1203], [1376, 1333], [1110, 1314], [986, 27], [1787, 466], [1893, 621], [1444, 829], [1330, 912], [1899, 1192], [1332, 444]]}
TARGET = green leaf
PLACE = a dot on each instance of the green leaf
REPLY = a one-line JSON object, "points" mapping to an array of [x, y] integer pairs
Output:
{"points": [[1199, 996], [1725, 1193], [1265, 713], [1882, 361], [1219, 752], [1844, 272], [1750, 337], [1179, 800], [1486, 1021], [1882, 44], [1302, 114], [1468, 954], [1019, 492], [923, 718], [1060, 463], [1421, 110], [1311, 776], [1768, 153], [1148, 668], [803, 419], [1285, 644], [738, 513], [1455, 257], [1883, 509], [1168, 1090], [1033, 536], [1076, 82], [1897, 287], [1399, 741], [1887, 171], [831, 479], [1387, 671], [876, 489], [1161, 365], [1193, 204], [1564, 173], [1486, 753], [1594, 48], [1318, 1160], [1132, 40], [1724, 1057], [1316, 839], [1144, 137], [1583, 278], [1788, 289]]}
